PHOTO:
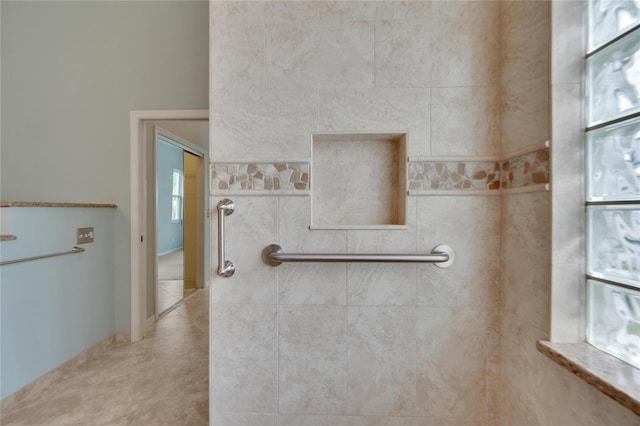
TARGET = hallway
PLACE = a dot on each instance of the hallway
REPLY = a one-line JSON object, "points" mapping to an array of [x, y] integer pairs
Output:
{"points": [[162, 380]]}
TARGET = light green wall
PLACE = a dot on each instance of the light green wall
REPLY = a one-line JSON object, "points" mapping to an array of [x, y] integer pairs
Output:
{"points": [[71, 72], [48, 315], [170, 234]]}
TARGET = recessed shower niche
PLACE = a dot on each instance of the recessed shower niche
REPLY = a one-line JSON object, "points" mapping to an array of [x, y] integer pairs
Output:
{"points": [[358, 181]]}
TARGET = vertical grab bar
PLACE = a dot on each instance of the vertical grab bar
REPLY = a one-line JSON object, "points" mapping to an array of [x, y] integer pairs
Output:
{"points": [[226, 268]]}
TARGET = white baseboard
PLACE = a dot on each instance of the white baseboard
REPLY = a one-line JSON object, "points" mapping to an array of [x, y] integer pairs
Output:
{"points": [[171, 251]]}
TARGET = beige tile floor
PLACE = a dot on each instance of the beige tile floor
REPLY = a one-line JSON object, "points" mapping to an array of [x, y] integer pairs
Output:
{"points": [[161, 380], [170, 292]]}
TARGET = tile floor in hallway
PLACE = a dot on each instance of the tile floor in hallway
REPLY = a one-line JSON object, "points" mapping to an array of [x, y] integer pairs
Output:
{"points": [[170, 292], [162, 380]]}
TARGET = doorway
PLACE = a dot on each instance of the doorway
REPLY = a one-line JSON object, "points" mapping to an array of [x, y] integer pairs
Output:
{"points": [[193, 124], [178, 189]]}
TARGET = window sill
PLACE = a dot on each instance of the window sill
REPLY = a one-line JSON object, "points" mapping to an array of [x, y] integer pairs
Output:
{"points": [[611, 376]]}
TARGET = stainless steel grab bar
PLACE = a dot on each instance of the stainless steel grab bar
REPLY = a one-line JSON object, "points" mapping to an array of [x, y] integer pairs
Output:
{"points": [[44, 256], [226, 268], [442, 255]]}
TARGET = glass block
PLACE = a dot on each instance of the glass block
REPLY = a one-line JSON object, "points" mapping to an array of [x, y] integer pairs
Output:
{"points": [[613, 163], [613, 321], [613, 246], [614, 80], [609, 18]]}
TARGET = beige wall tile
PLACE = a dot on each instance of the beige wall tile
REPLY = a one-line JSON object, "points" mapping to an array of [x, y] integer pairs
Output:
{"points": [[286, 11], [526, 258], [380, 421], [244, 349], [453, 47], [381, 376], [381, 284], [465, 121], [347, 10], [525, 116], [378, 110], [311, 420], [411, 421], [519, 357], [525, 41], [244, 419], [312, 284], [525, 75], [404, 10], [313, 363], [251, 227], [471, 227], [465, 43], [319, 53], [294, 218], [386, 241], [237, 44], [452, 355], [356, 182], [262, 124], [403, 51]]}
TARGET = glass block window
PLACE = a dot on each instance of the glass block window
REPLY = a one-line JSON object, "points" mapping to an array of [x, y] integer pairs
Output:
{"points": [[613, 318], [613, 178], [608, 19], [613, 75], [613, 162]]}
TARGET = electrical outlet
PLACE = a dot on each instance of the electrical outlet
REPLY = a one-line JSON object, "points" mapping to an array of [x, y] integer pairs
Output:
{"points": [[85, 235]]}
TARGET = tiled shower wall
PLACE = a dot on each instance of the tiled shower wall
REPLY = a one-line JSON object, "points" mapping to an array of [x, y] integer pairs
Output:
{"points": [[541, 49], [354, 343]]}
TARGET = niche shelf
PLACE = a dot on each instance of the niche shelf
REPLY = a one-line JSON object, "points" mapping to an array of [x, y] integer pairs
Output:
{"points": [[358, 181]]}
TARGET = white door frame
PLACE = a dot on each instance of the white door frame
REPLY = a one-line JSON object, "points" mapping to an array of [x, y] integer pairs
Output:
{"points": [[137, 169]]}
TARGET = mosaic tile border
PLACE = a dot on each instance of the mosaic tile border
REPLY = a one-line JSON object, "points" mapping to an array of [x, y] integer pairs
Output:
{"points": [[453, 175], [424, 176], [526, 170], [291, 176], [518, 172]]}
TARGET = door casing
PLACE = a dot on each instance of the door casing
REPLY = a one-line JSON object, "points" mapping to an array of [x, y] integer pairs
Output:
{"points": [[138, 207]]}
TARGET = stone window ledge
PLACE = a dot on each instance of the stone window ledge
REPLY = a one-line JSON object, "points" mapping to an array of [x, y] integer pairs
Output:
{"points": [[611, 376]]}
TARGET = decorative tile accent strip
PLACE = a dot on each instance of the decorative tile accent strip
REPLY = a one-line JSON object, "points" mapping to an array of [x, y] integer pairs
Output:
{"points": [[526, 170], [449, 175], [517, 172], [260, 176]]}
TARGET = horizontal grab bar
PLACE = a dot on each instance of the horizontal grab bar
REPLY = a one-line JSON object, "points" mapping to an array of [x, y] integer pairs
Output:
{"points": [[44, 256], [442, 256]]}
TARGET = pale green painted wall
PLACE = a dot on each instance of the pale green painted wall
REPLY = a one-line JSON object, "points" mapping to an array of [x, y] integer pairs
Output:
{"points": [[70, 74]]}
